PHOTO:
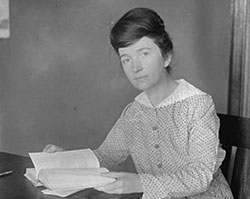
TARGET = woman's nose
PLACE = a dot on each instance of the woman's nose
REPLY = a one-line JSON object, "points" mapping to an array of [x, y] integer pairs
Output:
{"points": [[137, 66]]}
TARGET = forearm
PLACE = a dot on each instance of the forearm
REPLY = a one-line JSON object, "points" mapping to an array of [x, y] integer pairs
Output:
{"points": [[110, 159], [113, 150], [188, 181]]}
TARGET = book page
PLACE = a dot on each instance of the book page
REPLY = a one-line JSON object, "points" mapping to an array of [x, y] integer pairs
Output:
{"points": [[83, 158], [61, 193], [73, 179], [30, 174]]}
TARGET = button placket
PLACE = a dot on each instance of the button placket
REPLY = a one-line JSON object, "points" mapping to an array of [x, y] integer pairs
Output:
{"points": [[155, 130], [159, 166], [155, 127]]}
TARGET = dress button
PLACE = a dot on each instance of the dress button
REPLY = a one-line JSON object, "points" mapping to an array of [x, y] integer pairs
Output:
{"points": [[159, 166], [155, 127], [157, 146]]}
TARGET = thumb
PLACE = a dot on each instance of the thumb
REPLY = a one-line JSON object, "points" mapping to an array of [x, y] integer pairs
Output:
{"points": [[50, 148], [112, 174]]}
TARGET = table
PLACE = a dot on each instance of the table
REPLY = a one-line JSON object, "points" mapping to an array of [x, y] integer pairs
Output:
{"points": [[16, 186]]}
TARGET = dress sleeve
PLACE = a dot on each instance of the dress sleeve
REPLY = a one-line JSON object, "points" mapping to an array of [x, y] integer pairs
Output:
{"points": [[113, 150], [197, 173]]}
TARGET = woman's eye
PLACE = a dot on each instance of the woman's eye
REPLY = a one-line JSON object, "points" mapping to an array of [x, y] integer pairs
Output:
{"points": [[125, 61], [145, 53]]}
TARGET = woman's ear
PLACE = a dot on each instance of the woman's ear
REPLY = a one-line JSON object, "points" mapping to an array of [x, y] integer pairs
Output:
{"points": [[167, 60]]}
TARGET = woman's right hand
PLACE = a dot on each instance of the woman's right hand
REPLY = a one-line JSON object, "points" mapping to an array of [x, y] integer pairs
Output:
{"points": [[51, 148]]}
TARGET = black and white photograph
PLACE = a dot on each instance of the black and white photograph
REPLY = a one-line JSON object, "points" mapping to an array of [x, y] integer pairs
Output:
{"points": [[124, 99]]}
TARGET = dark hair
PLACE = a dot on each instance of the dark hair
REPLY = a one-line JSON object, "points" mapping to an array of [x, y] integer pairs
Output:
{"points": [[137, 23]]}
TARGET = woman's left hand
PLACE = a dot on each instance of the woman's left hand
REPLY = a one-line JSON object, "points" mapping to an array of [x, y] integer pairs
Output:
{"points": [[124, 183]]}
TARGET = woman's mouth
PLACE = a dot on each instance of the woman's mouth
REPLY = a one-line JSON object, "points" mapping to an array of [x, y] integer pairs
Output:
{"points": [[140, 78]]}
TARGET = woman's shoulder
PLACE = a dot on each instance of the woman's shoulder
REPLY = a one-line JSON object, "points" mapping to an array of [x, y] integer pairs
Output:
{"points": [[130, 108], [187, 89], [127, 107], [186, 92], [194, 96]]}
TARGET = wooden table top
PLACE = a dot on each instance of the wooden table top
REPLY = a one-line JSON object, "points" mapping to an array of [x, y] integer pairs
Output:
{"points": [[16, 186]]}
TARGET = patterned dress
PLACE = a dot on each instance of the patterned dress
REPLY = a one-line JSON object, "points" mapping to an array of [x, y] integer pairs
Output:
{"points": [[174, 146]]}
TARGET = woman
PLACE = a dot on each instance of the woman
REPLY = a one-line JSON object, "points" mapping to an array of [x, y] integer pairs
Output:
{"points": [[170, 129]]}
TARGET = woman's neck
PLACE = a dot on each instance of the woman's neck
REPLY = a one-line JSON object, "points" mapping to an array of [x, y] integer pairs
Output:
{"points": [[165, 89]]}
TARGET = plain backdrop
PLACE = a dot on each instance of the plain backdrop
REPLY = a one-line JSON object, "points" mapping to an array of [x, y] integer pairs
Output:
{"points": [[61, 83]]}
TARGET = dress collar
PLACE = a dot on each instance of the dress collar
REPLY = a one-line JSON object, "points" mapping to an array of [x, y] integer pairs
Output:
{"points": [[181, 92]]}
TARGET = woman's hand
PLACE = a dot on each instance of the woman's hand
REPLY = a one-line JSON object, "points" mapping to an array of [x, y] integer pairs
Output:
{"points": [[124, 183], [50, 148]]}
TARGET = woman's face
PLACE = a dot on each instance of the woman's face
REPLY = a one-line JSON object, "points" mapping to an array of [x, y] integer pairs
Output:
{"points": [[143, 64]]}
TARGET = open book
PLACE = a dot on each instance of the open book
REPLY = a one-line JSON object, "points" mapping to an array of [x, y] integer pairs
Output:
{"points": [[67, 172]]}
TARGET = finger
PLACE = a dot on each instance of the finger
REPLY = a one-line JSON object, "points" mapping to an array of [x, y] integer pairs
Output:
{"points": [[114, 191], [109, 188], [50, 148], [59, 149], [112, 174], [47, 148]]}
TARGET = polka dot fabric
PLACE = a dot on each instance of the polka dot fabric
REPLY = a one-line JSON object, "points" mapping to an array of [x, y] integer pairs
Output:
{"points": [[174, 146]]}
